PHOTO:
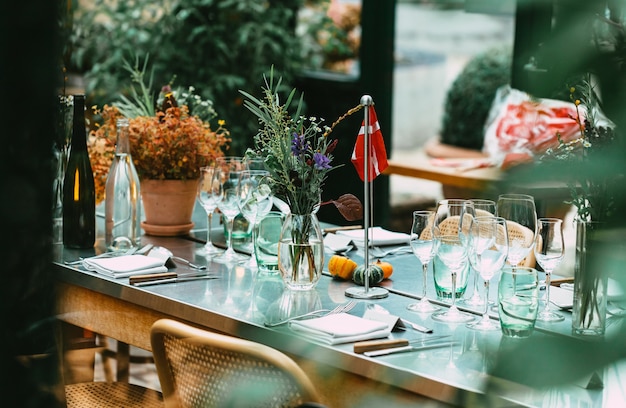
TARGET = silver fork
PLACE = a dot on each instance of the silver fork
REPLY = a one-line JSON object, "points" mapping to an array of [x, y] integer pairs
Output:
{"points": [[139, 251], [102, 255], [342, 308]]}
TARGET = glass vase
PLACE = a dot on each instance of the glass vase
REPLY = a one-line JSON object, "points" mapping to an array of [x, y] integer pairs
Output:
{"points": [[301, 251], [590, 282]]}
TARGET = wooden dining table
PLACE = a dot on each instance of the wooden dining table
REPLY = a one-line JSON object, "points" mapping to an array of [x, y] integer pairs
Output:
{"points": [[242, 300], [471, 178]]}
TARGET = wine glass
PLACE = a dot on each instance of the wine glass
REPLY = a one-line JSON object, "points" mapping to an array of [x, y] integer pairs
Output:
{"points": [[422, 244], [229, 171], [257, 163], [208, 195], [451, 249], [255, 201], [482, 207], [521, 216], [488, 249], [549, 251]]}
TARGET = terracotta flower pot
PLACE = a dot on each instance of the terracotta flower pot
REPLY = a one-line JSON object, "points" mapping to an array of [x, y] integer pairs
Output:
{"points": [[168, 205]]}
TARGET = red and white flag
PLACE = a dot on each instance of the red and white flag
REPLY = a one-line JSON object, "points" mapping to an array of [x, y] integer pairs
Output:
{"points": [[378, 153]]}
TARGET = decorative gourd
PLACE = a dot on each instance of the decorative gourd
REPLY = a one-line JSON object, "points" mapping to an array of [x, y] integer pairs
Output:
{"points": [[376, 275], [386, 267], [341, 267]]}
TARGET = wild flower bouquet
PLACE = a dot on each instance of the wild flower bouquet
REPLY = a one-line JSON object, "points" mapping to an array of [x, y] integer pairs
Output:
{"points": [[297, 151], [298, 154], [170, 136]]}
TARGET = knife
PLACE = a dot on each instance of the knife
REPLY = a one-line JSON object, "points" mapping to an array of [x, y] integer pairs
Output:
{"points": [[371, 345], [163, 275], [172, 280], [345, 228], [417, 327], [409, 348]]}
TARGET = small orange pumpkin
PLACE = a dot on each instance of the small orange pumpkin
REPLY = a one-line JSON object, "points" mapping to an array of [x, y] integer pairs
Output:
{"points": [[341, 267], [386, 267]]}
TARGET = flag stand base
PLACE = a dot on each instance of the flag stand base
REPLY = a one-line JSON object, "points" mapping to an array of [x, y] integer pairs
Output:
{"points": [[372, 293]]}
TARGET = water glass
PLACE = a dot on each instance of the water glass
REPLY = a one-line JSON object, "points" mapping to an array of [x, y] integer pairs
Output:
{"points": [[266, 242], [443, 280], [518, 297]]}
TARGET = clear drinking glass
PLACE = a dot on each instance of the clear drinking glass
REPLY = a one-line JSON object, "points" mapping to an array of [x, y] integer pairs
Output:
{"points": [[229, 174], [208, 196], [518, 297], [488, 249], [482, 207], [423, 246], [255, 201], [451, 243], [257, 163], [549, 251], [521, 216]]}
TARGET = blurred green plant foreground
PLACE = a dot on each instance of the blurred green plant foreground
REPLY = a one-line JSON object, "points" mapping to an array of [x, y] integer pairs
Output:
{"points": [[587, 38]]}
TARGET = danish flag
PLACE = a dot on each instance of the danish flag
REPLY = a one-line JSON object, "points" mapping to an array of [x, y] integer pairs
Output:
{"points": [[377, 152]]}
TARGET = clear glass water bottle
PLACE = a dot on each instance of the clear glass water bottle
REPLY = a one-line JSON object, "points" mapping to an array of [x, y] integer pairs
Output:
{"points": [[122, 196]]}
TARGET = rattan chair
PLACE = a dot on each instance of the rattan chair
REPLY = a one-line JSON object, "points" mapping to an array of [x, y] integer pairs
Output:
{"points": [[516, 231], [198, 368], [78, 358], [111, 395]]}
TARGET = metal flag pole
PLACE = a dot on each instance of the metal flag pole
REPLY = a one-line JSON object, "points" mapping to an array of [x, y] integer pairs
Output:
{"points": [[366, 292]]}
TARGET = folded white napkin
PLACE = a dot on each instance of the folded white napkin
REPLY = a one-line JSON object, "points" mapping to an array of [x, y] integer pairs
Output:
{"points": [[337, 243], [562, 297], [341, 328], [125, 265], [377, 236]]}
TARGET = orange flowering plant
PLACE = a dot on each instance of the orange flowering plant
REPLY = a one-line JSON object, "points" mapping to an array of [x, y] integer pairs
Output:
{"points": [[169, 142]]}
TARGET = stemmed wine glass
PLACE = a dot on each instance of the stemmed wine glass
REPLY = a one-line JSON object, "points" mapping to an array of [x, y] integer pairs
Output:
{"points": [[422, 244], [488, 249], [482, 207], [451, 249], [255, 201], [549, 251], [257, 163], [208, 195], [229, 173], [521, 216]]}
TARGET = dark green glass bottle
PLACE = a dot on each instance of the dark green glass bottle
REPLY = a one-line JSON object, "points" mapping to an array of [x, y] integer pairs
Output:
{"points": [[79, 196]]}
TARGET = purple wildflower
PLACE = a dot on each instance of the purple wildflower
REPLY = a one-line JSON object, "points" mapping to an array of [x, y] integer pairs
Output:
{"points": [[298, 145], [321, 161]]}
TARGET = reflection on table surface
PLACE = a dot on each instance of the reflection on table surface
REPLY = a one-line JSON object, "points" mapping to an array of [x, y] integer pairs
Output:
{"points": [[241, 301]]}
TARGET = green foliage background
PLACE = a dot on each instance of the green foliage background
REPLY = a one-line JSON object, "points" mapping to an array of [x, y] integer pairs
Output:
{"points": [[217, 46]]}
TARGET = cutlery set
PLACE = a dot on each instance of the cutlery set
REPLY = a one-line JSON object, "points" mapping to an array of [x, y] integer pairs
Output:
{"points": [[409, 347], [168, 277], [390, 346]]}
